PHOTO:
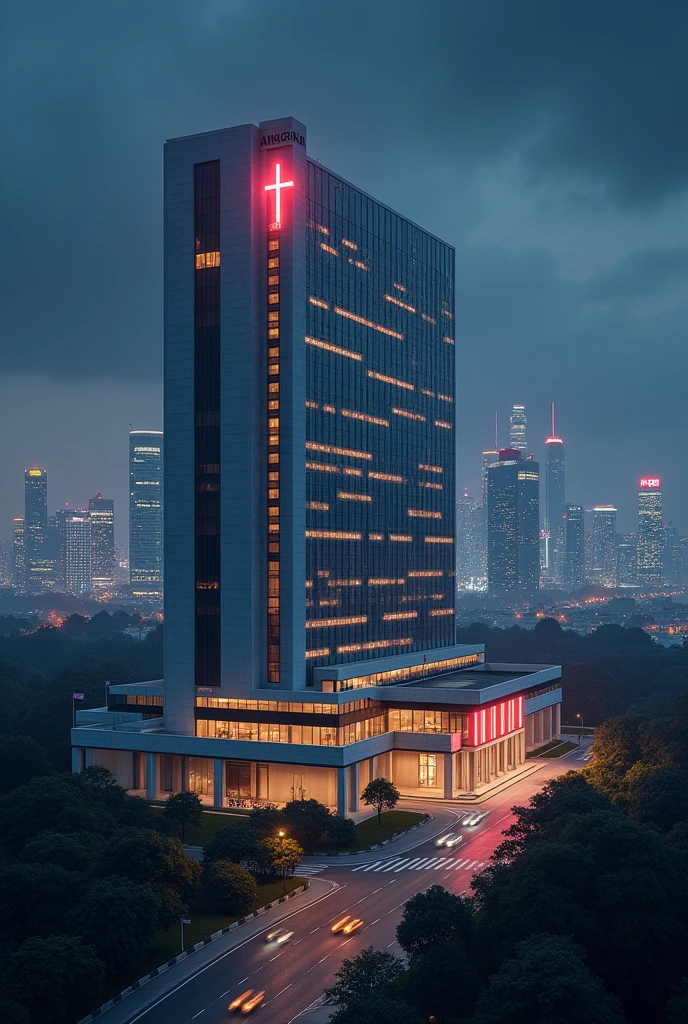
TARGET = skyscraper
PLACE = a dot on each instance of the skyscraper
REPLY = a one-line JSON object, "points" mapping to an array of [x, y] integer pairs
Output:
{"points": [[650, 532], [40, 567], [517, 428], [469, 543], [602, 570], [18, 554], [490, 457], [145, 512], [76, 552], [627, 560], [309, 499], [554, 527], [513, 556], [574, 544], [102, 514]]}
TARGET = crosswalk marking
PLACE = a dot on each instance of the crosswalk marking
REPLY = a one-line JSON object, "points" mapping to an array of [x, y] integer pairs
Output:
{"points": [[309, 869], [397, 864]]}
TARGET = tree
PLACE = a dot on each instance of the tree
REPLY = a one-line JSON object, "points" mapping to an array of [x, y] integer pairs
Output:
{"points": [[240, 843], [307, 820], [546, 981], [118, 918], [146, 857], [21, 759], [75, 852], [231, 887], [617, 748], [434, 918], [364, 975], [58, 979], [59, 803], [382, 795], [378, 1008], [185, 810], [342, 830], [34, 899], [442, 982], [266, 820], [677, 1007], [13, 1013], [284, 853], [659, 797]]}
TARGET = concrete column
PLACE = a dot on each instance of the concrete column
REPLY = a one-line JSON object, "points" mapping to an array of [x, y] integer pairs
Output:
{"points": [[371, 769], [354, 787], [151, 776], [342, 791], [88, 757], [218, 782], [77, 758], [472, 754], [557, 720], [449, 776], [184, 775], [551, 722]]}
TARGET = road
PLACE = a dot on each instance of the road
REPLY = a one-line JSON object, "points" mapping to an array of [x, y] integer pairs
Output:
{"points": [[373, 887]]}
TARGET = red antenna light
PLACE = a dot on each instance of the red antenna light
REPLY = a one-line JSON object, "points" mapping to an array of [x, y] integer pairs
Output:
{"points": [[277, 187]]}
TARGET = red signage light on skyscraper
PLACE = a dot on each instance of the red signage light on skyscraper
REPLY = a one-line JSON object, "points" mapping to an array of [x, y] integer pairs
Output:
{"points": [[649, 483]]}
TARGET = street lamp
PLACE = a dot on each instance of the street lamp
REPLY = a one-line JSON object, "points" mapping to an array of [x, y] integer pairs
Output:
{"points": [[582, 727]]}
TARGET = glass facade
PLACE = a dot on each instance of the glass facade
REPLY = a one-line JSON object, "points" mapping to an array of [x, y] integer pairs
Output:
{"points": [[513, 536], [207, 379], [102, 514], [145, 512], [379, 430], [39, 567]]}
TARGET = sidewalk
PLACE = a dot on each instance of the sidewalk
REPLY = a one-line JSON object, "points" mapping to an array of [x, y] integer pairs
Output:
{"points": [[149, 993]]}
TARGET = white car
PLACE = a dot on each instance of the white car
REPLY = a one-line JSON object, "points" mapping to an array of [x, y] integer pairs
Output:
{"points": [[445, 840], [454, 841], [473, 818]]}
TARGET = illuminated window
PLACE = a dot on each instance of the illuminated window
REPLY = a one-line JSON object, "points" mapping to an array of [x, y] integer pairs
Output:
{"points": [[390, 380], [273, 316], [425, 572], [273, 263], [443, 423], [273, 353], [346, 496], [404, 538], [426, 391], [449, 341], [318, 227], [273, 333], [328, 248], [318, 506], [384, 582], [378, 421], [444, 398], [333, 535], [206, 260], [318, 302], [211, 585], [390, 478], [423, 513], [273, 298], [445, 312], [431, 486], [440, 611], [393, 616], [338, 351], [273, 388], [374, 645], [528, 476], [398, 302], [347, 620], [376, 536], [309, 583], [357, 263], [351, 453], [439, 540], [352, 471], [324, 467], [348, 244], [399, 287], [427, 771], [273, 244], [273, 369], [408, 415], [368, 323], [428, 319], [311, 405], [430, 469], [344, 583], [320, 652], [273, 279]]}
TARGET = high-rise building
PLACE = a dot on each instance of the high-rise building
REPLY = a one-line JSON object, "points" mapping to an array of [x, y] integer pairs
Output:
{"points": [[672, 568], [40, 566], [650, 532], [146, 511], [574, 545], [555, 498], [626, 560], [513, 556], [76, 551], [517, 428], [18, 554], [102, 513], [469, 543], [602, 571], [490, 457], [309, 501]]}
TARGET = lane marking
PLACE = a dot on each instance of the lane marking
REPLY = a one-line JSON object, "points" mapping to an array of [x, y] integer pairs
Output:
{"points": [[283, 990], [373, 922]]}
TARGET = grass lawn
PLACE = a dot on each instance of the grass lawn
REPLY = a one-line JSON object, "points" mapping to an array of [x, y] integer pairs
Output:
{"points": [[370, 833], [558, 749], [204, 921], [541, 751], [211, 823]]}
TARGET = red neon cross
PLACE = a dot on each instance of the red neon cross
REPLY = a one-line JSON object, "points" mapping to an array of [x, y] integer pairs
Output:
{"points": [[278, 185]]}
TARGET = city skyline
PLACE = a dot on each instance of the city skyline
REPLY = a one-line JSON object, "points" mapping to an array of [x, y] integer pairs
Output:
{"points": [[570, 253]]}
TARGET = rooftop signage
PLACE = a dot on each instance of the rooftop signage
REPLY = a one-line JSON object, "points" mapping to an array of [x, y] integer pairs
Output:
{"points": [[649, 483], [281, 139]]}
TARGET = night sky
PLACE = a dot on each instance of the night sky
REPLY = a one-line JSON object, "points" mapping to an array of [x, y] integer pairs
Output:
{"points": [[545, 139]]}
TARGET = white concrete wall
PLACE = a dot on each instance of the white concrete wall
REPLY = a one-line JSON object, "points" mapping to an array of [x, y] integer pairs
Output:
{"points": [[119, 762], [405, 774]]}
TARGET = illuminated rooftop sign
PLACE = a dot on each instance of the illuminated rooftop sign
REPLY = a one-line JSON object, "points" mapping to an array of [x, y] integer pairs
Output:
{"points": [[277, 187], [649, 483]]}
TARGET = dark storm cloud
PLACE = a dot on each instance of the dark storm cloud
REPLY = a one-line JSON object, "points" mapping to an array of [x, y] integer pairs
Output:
{"points": [[641, 273]]}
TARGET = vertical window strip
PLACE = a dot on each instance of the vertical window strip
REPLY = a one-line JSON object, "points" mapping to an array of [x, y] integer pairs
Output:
{"points": [[272, 305]]}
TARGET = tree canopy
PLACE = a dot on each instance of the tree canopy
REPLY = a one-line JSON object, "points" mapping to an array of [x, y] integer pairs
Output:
{"points": [[381, 794]]}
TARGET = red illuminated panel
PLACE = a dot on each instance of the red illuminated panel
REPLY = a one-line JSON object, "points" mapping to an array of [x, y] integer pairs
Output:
{"points": [[649, 483], [494, 721], [277, 187]]}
